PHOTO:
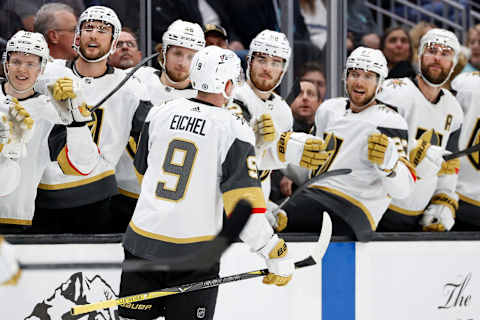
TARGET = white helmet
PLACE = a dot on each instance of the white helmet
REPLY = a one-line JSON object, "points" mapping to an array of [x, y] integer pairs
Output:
{"points": [[98, 13], [272, 43], [367, 59], [442, 37], [211, 69], [183, 34], [28, 43]]}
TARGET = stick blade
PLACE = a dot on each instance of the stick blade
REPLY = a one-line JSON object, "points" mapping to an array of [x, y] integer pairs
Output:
{"points": [[324, 239]]}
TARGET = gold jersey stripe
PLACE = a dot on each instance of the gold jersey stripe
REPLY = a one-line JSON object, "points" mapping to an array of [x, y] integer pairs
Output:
{"points": [[469, 200], [405, 211], [66, 165], [351, 200], [16, 221], [76, 183], [252, 194], [128, 193], [164, 238]]}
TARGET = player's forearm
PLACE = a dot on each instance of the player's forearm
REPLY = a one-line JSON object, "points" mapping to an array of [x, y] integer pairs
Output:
{"points": [[400, 183], [447, 184], [80, 155]]}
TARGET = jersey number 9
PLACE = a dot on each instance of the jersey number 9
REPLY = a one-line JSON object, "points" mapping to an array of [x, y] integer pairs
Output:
{"points": [[179, 162]]}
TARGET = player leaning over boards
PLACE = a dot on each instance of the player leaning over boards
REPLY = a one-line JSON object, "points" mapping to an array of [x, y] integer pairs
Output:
{"points": [[180, 42], [26, 120], [270, 116], [205, 154], [82, 204], [467, 218], [366, 136], [434, 120]]}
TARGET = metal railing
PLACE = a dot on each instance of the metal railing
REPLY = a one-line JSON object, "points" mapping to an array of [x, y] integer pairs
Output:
{"points": [[455, 16]]}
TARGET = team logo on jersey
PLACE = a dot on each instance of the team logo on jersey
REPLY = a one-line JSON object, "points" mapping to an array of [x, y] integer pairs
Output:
{"points": [[77, 290], [436, 138], [201, 312], [474, 158], [396, 83]]}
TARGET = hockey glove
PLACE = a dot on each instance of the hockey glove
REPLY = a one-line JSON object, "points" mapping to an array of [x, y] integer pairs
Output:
{"points": [[265, 132], [382, 152], [279, 265], [276, 217], [426, 157], [4, 131], [63, 89], [450, 167], [302, 149], [9, 270], [440, 214], [21, 128]]}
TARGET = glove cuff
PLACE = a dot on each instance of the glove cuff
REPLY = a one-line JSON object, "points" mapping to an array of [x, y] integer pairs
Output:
{"points": [[445, 200]]}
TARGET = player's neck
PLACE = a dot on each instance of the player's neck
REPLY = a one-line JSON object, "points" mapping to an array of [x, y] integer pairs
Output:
{"points": [[216, 99], [429, 92], [11, 92], [264, 95], [91, 69], [357, 109], [177, 85]]}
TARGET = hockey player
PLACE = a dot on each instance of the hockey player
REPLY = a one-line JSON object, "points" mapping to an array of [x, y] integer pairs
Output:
{"points": [[27, 120], [82, 203], [434, 120], [205, 153], [180, 42], [271, 117], [375, 136], [468, 214]]}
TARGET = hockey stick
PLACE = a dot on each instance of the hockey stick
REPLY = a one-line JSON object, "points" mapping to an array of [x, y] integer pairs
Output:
{"points": [[304, 186], [462, 153], [121, 83], [315, 258], [208, 253], [294, 92]]}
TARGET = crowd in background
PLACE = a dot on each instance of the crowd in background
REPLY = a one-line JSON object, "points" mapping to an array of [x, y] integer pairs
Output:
{"points": [[233, 25]]}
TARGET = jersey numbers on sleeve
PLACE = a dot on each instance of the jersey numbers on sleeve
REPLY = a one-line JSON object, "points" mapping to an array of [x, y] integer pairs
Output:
{"points": [[179, 161], [252, 167]]}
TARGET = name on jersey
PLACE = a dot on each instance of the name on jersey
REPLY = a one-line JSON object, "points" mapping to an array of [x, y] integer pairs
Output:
{"points": [[189, 124]]}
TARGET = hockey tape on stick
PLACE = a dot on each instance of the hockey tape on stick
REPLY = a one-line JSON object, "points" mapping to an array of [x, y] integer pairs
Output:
{"points": [[294, 92], [121, 83], [462, 153], [315, 258], [208, 253], [304, 186]]}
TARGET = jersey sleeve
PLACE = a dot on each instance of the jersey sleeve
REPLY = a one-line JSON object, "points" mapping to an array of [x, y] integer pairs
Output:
{"points": [[10, 173]]}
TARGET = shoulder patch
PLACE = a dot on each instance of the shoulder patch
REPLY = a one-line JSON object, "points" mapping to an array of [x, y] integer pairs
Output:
{"points": [[396, 83]]}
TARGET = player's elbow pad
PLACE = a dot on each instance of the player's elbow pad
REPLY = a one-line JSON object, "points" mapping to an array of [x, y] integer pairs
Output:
{"points": [[83, 153], [400, 186]]}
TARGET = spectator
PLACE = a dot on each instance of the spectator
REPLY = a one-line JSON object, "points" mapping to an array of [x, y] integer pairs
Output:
{"points": [[360, 20], [397, 48], [315, 15], [127, 54], [473, 43], [313, 72], [371, 40], [27, 9], [416, 33], [215, 36], [57, 22]]}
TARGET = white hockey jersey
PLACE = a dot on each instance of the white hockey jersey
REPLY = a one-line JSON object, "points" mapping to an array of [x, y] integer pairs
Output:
{"points": [[158, 94], [267, 159], [467, 86], [191, 154], [445, 116], [111, 128], [17, 207], [365, 187]]}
